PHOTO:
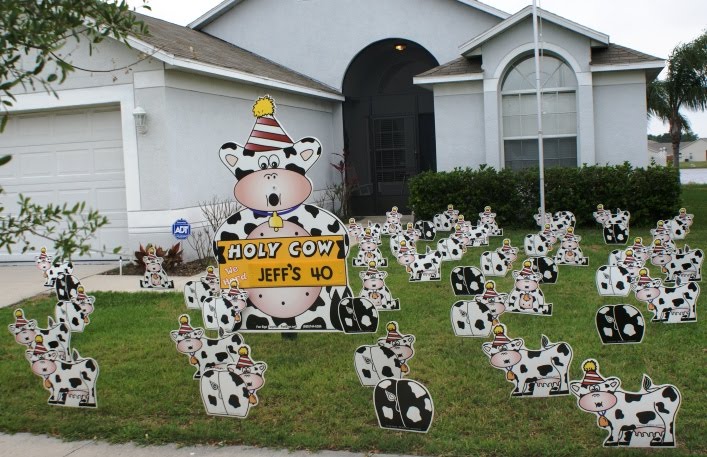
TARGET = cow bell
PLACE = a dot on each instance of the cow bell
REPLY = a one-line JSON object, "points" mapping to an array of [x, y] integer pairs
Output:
{"points": [[510, 376], [603, 421], [275, 221]]}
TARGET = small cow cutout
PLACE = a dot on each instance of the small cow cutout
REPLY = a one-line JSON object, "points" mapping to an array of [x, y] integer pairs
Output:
{"points": [[670, 305], [477, 317], [358, 315], [387, 359], [43, 261], [526, 296], [467, 280], [633, 419], [421, 267], [232, 391], [203, 352], [558, 222], [451, 248], [613, 281], [155, 276], [368, 251], [534, 373], [487, 219], [403, 404], [615, 227], [223, 313], [195, 292], [500, 261], [444, 222], [375, 290], [70, 383], [684, 263], [56, 337], [392, 225], [546, 267], [427, 230], [620, 324], [570, 253]]}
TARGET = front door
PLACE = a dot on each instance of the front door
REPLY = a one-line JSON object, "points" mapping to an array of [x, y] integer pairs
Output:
{"points": [[394, 159]]}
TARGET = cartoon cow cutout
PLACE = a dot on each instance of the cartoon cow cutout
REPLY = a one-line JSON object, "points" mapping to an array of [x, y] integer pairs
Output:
{"points": [[662, 234], [526, 296], [451, 248], [376, 230], [613, 281], [387, 359], [421, 267], [155, 277], [410, 235], [56, 337], [558, 222], [686, 262], [203, 352], [224, 313], [375, 290], [467, 280], [487, 219], [70, 383], [195, 292], [640, 253], [615, 227], [427, 230], [272, 185], [538, 245], [76, 311], [534, 373], [620, 324], [357, 315], [403, 404], [355, 230], [679, 226], [445, 221], [43, 261], [233, 391], [477, 317], [546, 267], [392, 225], [500, 261], [633, 419], [570, 253], [60, 277], [477, 235], [368, 251], [670, 305]]}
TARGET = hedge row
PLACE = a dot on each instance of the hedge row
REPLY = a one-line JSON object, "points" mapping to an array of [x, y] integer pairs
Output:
{"points": [[648, 193]]}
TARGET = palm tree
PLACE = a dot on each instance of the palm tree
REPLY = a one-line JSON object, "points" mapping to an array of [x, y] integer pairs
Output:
{"points": [[685, 85]]}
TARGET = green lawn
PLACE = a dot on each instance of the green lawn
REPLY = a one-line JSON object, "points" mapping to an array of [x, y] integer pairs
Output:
{"points": [[312, 397], [693, 164]]}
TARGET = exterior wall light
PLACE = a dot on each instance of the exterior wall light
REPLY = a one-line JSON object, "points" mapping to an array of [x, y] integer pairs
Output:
{"points": [[140, 117], [400, 47]]}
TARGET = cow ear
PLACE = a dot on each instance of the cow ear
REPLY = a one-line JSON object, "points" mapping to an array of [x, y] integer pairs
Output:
{"points": [[50, 322], [229, 154], [263, 365], [28, 355], [486, 347], [11, 328], [174, 334], [32, 324], [515, 274], [308, 150], [231, 367], [198, 332], [613, 383], [575, 386], [362, 274], [384, 274]]}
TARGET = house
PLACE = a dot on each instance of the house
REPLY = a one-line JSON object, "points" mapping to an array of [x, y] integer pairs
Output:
{"points": [[694, 151], [402, 85]]}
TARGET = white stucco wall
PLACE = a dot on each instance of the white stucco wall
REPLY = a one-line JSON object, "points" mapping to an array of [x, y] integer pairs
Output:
{"points": [[620, 118], [320, 37], [459, 125]]}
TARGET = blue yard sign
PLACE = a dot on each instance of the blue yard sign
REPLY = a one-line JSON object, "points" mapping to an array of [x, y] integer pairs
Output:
{"points": [[181, 229]]}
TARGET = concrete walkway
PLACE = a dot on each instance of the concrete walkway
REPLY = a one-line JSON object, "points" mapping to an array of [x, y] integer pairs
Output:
{"points": [[22, 281], [26, 445]]}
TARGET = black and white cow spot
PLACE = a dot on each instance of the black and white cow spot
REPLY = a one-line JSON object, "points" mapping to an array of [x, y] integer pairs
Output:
{"points": [[620, 324]]}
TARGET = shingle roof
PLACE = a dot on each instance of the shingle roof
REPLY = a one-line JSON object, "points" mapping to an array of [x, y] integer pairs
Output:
{"points": [[460, 66], [186, 43], [619, 55]]}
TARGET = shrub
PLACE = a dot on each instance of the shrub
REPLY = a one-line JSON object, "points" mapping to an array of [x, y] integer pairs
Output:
{"points": [[170, 257], [648, 193]]}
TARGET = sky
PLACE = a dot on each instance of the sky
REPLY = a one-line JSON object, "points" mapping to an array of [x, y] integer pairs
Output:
{"points": [[650, 26]]}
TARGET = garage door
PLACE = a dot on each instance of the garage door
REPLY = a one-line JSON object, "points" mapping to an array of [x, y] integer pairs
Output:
{"points": [[67, 156]]}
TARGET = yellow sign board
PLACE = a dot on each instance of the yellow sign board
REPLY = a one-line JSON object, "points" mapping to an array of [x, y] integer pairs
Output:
{"points": [[284, 262]]}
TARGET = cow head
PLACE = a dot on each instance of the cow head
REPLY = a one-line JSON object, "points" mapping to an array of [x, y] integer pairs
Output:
{"points": [[401, 345], [393, 216], [495, 302], [43, 362], [251, 372], [502, 352], [188, 339], [660, 256], [594, 393], [25, 331], [271, 169], [526, 279], [646, 288], [372, 278], [43, 261]]}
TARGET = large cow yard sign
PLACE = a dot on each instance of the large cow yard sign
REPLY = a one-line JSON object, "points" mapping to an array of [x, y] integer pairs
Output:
{"points": [[289, 256]]}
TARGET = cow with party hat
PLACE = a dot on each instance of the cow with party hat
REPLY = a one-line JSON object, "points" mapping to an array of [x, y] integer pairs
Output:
{"points": [[233, 391], [477, 317], [526, 296], [285, 290], [43, 261], [75, 312], [570, 253], [224, 312], [368, 251], [195, 292], [633, 419], [387, 359], [56, 336], [375, 290], [534, 373], [487, 219], [155, 277], [669, 305]]}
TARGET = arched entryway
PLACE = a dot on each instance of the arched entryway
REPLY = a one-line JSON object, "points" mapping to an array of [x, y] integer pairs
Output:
{"points": [[388, 123]]}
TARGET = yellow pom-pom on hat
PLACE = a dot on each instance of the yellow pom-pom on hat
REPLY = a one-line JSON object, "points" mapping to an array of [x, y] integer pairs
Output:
{"points": [[39, 348], [390, 327], [184, 326], [589, 365], [498, 330], [490, 291], [243, 351], [500, 337], [243, 359], [393, 334], [20, 320], [591, 376], [264, 106]]}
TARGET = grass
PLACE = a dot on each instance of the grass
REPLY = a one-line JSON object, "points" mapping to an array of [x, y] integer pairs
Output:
{"points": [[702, 164], [312, 398]]}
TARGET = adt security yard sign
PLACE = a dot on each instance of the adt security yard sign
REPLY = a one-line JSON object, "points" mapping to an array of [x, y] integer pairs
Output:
{"points": [[181, 229]]}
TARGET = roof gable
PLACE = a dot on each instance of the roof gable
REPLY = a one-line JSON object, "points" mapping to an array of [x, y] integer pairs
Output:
{"points": [[470, 46], [226, 5]]}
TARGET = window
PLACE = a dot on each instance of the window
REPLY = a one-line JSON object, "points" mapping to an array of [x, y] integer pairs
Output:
{"points": [[519, 114]]}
